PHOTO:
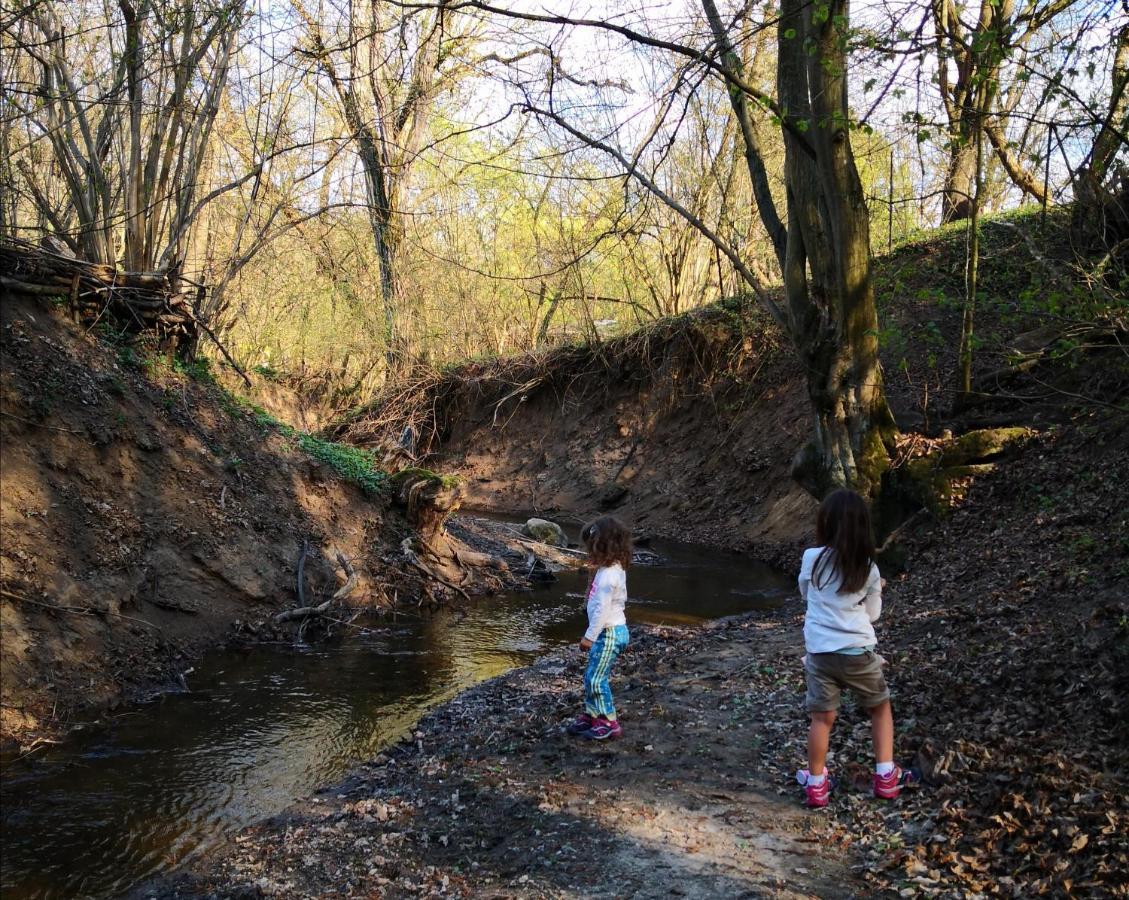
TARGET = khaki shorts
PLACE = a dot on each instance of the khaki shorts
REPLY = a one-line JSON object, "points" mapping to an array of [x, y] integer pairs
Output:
{"points": [[829, 673]]}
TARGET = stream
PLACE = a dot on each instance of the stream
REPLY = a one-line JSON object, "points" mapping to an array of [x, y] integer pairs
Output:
{"points": [[262, 728]]}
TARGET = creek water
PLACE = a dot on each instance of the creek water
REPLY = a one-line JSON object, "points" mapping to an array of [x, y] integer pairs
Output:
{"points": [[261, 728]]}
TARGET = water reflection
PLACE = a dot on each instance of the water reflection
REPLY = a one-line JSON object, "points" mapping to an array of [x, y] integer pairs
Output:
{"points": [[261, 729]]}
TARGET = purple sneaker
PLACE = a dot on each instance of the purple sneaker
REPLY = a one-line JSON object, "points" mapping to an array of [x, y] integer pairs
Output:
{"points": [[580, 724], [604, 730]]}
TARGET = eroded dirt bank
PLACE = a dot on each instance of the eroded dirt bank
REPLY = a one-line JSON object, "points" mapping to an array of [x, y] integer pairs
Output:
{"points": [[147, 515], [1008, 651], [686, 428]]}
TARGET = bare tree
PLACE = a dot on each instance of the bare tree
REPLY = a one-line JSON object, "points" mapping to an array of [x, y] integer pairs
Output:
{"points": [[127, 110], [385, 68], [972, 59]]}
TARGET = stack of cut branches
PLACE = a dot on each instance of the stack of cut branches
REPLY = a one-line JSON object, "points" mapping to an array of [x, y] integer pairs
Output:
{"points": [[135, 302]]}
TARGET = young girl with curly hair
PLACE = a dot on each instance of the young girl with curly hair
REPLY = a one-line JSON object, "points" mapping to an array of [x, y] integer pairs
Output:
{"points": [[608, 542]]}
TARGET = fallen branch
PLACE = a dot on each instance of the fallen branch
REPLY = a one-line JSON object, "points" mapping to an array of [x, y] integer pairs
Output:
{"points": [[41, 290], [521, 389], [893, 535], [302, 572], [533, 543], [303, 612], [473, 558], [81, 610], [39, 424], [215, 340], [350, 579]]}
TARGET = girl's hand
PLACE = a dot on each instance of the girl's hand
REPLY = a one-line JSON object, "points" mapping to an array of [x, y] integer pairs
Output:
{"points": [[585, 644]]}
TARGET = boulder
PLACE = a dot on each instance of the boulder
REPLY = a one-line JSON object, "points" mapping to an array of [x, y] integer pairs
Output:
{"points": [[546, 532]]}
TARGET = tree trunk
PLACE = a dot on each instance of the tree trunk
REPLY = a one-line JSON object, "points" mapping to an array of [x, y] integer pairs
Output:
{"points": [[1111, 137], [380, 221], [827, 277], [543, 330], [956, 194]]}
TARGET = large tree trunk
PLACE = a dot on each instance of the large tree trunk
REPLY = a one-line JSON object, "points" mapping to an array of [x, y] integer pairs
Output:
{"points": [[824, 249], [827, 274], [1101, 208], [1111, 137], [956, 193]]}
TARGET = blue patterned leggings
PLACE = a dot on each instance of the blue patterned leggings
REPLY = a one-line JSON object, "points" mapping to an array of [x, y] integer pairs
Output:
{"points": [[601, 658]]}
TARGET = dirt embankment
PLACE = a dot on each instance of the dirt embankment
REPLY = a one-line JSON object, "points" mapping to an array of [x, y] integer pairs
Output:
{"points": [[687, 427], [1008, 650], [147, 515]]}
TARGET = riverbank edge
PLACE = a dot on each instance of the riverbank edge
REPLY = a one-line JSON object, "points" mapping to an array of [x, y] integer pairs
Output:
{"points": [[402, 796], [1009, 702]]}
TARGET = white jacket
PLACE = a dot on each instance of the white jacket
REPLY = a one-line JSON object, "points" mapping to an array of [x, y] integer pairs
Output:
{"points": [[837, 621], [607, 598]]}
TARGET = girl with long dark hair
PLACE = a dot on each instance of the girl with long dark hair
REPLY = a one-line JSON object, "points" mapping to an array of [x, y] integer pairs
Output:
{"points": [[841, 584]]}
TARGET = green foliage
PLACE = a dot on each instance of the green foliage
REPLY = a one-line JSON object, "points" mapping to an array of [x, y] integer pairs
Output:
{"points": [[230, 404], [351, 463], [129, 358], [1084, 545], [198, 369], [267, 371]]}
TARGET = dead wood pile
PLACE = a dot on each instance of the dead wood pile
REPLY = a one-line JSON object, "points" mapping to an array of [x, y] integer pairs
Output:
{"points": [[135, 302]]}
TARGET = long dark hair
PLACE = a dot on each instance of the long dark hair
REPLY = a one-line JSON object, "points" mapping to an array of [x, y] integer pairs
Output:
{"points": [[608, 542], [842, 528]]}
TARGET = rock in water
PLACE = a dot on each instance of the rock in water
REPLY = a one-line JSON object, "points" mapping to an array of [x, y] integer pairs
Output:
{"points": [[546, 532]]}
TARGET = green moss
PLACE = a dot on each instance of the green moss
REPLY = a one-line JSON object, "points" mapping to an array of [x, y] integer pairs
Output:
{"points": [[873, 461], [937, 478], [981, 444]]}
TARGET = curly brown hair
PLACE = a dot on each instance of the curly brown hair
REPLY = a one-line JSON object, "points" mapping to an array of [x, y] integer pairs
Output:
{"points": [[608, 542]]}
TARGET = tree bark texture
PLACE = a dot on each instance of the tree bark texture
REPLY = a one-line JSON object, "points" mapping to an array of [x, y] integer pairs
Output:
{"points": [[827, 277]]}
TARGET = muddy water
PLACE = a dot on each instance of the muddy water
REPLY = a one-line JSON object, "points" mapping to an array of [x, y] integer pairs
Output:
{"points": [[261, 729]]}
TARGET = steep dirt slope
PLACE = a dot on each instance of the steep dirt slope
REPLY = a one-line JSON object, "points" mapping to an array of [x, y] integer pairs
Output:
{"points": [[144, 517], [687, 428]]}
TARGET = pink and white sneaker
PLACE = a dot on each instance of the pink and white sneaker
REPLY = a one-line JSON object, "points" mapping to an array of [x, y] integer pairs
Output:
{"points": [[816, 796], [889, 786], [604, 729]]}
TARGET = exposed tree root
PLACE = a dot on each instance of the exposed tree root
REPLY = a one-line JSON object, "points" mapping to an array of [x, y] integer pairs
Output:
{"points": [[304, 612]]}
